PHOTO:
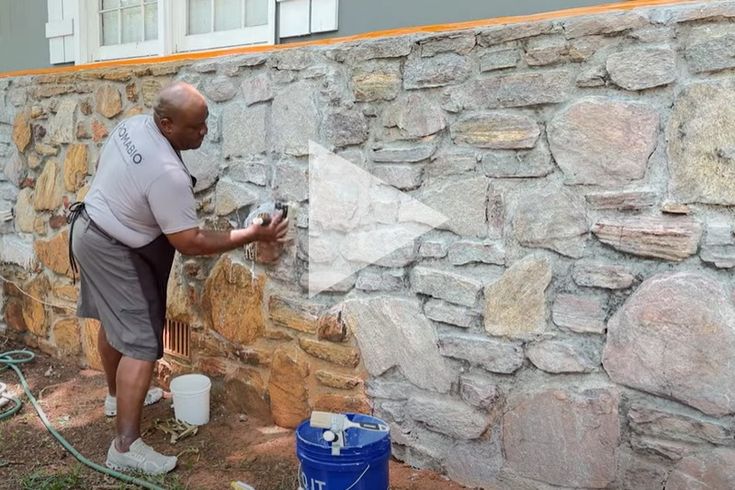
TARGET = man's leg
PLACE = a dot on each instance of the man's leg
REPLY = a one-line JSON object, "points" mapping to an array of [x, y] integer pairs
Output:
{"points": [[133, 379], [110, 361]]}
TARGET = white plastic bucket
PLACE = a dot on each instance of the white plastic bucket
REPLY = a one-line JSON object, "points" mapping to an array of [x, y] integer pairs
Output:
{"points": [[191, 398]]}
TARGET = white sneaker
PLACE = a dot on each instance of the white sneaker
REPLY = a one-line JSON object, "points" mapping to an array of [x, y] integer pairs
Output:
{"points": [[153, 395], [140, 457]]}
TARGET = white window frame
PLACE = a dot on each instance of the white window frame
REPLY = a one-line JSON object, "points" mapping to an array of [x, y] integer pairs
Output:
{"points": [[172, 36], [263, 34]]}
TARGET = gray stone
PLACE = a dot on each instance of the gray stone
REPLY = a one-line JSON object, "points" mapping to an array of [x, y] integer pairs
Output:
{"points": [[295, 119], [660, 423], [664, 237], [456, 42], [499, 59], [638, 472], [293, 59], [257, 172], [402, 152], [403, 177], [468, 216], [290, 182], [656, 341], [449, 286], [659, 448], [391, 410], [711, 54], [515, 304], [451, 163], [419, 447], [380, 280], [475, 463], [479, 391], [344, 127], [708, 469], [642, 68], [455, 419], [598, 275], [220, 89], [542, 437], [204, 165], [592, 77], [552, 219], [546, 50], [415, 116], [603, 141], [631, 200], [244, 130], [389, 389], [433, 249], [391, 332], [437, 71], [517, 164], [466, 252], [377, 80], [719, 245], [700, 11], [360, 247], [583, 314], [441, 311], [63, 126], [512, 90], [496, 356], [15, 170], [496, 130], [607, 23], [231, 196], [701, 155], [257, 89], [560, 356], [396, 47], [17, 249], [513, 32]]}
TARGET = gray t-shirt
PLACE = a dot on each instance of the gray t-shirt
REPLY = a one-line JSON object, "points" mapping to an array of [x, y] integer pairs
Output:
{"points": [[141, 188]]}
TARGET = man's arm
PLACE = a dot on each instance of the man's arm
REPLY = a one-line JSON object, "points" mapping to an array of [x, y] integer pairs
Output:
{"points": [[196, 241]]}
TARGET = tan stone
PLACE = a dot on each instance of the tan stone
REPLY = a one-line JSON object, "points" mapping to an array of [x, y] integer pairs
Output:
{"points": [[67, 337], [48, 188], [133, 111], [215, 366], [255, 355], [39, 225], [14, 315], [665, 237], [131, 92], [293, 313], [332, 402], [107, 101], [381, 83], [99, 131], [338, 381], [234, 299], [149, 89], [246, 393], [83, 132], [46, 150], [83, 192], [22, 130], [90, 331], [34, 160], [54, 253], [331, 326], [516, 303], [75, 167], [182, 298], [287, 387], [34, 312], [337, 354], [24, 212], [65, 292]]}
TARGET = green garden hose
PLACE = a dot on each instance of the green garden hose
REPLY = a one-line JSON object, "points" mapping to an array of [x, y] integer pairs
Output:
{"points": [[10, 360]]}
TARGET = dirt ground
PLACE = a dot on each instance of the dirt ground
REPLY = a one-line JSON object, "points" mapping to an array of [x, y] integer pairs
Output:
{"points": [[231, 447]]}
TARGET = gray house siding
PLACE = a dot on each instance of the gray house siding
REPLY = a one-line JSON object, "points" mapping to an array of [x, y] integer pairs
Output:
{"points": [[23, 42]]}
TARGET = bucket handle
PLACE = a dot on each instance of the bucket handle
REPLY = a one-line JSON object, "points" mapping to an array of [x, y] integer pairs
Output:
{"points": [[348, 488]]}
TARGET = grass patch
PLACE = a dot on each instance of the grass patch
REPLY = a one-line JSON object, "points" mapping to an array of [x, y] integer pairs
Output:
{"points": [[40, 480]]}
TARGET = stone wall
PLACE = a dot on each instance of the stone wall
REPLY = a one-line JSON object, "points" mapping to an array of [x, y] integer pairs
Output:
{"points": [[572, 326]]}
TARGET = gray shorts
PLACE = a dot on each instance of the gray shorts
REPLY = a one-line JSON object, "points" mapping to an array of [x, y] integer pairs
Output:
{"points": [[125, 291]]}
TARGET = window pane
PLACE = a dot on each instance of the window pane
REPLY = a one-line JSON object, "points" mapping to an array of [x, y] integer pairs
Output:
{"points": [[130, 3], [256, 12], [151, 22], [227, 14], [110, 4], [200, 16], [110, 31], [132, 25]]}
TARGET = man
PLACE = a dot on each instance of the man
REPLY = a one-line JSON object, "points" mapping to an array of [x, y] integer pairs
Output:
{"points": [[139, 210]]}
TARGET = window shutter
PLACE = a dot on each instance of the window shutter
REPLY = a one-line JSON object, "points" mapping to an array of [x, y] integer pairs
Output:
{"points": [[293, 18], [61, 29], [324, 15]]}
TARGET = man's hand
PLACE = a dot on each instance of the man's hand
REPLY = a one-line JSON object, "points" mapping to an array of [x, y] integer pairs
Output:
{"points": [[275, 231]]}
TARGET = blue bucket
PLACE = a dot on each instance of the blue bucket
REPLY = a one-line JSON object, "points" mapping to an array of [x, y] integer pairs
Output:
{"points": [[361, 465]]}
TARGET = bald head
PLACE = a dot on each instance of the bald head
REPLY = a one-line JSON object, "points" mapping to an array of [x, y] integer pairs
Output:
{"points": [[180, 112]]}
